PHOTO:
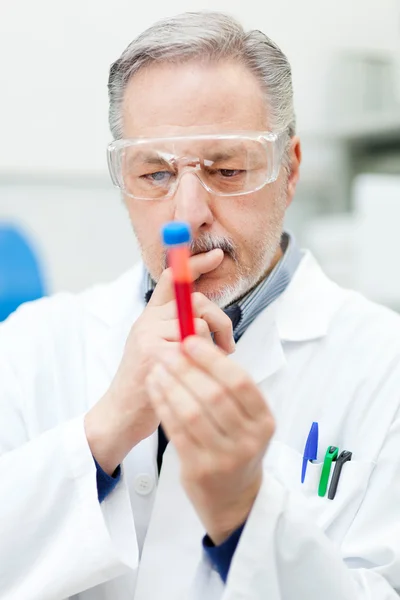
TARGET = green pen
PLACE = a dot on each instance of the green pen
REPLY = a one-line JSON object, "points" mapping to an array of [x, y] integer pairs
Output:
{"points": [[330, 456]]}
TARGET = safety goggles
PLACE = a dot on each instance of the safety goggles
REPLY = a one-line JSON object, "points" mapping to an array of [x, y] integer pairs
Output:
{"points": [[233, 164]]}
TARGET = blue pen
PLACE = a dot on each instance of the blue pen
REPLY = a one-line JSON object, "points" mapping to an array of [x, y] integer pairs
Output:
{"points": [[310, 450]]}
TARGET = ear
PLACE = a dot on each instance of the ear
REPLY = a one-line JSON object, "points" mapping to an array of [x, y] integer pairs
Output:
{"points": [[294, 158]]}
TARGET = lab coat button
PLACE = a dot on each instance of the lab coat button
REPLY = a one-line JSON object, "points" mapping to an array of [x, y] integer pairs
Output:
{"points": [[144, 484]]}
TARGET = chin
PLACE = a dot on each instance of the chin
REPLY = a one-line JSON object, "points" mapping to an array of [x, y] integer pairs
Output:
{"points": [[221, 292]]}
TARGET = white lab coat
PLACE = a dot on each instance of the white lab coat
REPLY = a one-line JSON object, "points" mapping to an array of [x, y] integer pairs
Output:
{"points": [[319, 353]]}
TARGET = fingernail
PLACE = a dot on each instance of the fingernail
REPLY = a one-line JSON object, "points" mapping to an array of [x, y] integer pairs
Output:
{"points": [[233, 345]]}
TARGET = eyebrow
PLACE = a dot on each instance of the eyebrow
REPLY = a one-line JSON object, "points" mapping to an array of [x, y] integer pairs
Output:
{"points": [[220, 156], [149, 159]]}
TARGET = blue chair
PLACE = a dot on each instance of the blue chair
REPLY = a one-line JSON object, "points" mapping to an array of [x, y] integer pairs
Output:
{"points": [[20, 273]]}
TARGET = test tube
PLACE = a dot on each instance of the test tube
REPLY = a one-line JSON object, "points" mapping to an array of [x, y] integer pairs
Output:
{"points": [[176, 237]]}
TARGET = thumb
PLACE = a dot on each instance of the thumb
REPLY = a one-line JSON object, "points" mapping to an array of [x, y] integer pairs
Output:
{"points": [[199, 265]]}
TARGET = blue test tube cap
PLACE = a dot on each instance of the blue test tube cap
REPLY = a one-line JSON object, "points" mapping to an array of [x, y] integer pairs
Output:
{"points": [[175, 233]]}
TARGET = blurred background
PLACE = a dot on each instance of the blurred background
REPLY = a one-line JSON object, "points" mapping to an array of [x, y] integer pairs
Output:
{"points": [[63, 226]]}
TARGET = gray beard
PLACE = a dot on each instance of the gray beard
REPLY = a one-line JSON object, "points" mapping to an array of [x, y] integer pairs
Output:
{"points": [[246, 278]]}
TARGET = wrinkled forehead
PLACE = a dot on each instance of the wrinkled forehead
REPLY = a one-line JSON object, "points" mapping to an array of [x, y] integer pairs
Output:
{"points": [[193, 98]]}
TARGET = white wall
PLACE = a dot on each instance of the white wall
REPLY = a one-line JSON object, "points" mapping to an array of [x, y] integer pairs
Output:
{"points": [[54, 61], [55, 58], [80, 230]]}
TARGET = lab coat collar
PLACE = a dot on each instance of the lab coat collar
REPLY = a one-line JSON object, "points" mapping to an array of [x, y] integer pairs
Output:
{"points": [[302, 313], [259, 351], [308, 305]]}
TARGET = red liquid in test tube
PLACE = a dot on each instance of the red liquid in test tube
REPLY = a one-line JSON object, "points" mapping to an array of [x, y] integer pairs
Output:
{"points": [[176, 237]]}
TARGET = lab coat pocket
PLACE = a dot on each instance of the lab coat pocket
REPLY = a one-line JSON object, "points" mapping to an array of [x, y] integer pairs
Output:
{"points": [[334, 516]]}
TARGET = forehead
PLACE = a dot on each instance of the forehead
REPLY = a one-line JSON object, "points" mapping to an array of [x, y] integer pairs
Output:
{"points": [[194, 97]]}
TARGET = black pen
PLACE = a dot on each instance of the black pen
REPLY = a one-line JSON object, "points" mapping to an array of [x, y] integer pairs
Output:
{"points": [[341, 459]]}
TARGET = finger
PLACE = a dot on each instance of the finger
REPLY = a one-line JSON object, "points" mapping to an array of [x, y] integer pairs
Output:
{"points": [[202, 329], [228, 374], [170, 331], [189, 413], [214, 398], [199, 264], [218, 322], [204, 309], [168, 419]]}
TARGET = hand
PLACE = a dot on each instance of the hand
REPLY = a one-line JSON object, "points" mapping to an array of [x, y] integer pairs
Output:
{"points": [[219, 423], [125, 416]]}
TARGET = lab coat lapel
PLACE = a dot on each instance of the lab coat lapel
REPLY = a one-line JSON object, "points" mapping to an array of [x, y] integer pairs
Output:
{"points": [[259, 351], [302, 313], [172, 549], [306, 309]]}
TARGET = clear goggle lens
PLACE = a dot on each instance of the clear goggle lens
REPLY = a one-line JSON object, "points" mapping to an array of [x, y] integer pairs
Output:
{"points": [[226, 166]]}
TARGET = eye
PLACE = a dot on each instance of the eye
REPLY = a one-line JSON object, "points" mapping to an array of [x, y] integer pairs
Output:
{"points": [[157, 177], [230, 172]]}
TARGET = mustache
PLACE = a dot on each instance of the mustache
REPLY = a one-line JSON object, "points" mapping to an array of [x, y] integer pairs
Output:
{"points": [[208, 242]]}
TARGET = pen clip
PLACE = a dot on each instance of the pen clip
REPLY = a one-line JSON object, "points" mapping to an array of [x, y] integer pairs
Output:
{"points": [[330, 456], [344, 457]]}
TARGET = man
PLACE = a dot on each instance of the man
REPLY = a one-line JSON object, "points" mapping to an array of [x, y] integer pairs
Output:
{"points": [[95, 503]]}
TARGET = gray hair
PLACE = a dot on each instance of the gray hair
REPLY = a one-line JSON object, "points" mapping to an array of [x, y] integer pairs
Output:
{"points": [[215, 36]]}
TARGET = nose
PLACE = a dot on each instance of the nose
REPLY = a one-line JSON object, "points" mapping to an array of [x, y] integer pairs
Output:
{"points": [[192, 203]]}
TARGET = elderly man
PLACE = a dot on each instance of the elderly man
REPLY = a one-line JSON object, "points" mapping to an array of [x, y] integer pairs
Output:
{"points": [[260, 458]]}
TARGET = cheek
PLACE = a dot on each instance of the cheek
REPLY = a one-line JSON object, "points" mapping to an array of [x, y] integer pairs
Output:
{"points": [[254, 220], [148, 217], [247, 218], [147, 221]]}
